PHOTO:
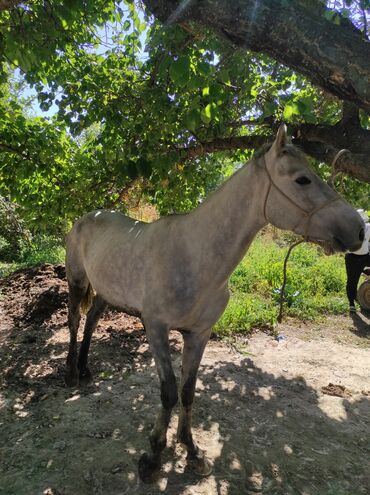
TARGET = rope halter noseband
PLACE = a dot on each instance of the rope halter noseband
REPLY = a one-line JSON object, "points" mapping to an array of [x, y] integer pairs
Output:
{"points": [[307, 214]]}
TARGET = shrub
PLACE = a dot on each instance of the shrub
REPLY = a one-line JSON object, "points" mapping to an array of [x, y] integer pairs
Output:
{"points": [[14, 236], [41, 249]]}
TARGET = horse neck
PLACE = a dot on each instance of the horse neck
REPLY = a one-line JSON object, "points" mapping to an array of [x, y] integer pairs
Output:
{"points": [[230, 218]]}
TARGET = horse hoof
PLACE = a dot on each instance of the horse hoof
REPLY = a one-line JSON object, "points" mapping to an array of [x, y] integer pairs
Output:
{"points": [[71, 379], [200, 465], [148, 468], [85, 377]]}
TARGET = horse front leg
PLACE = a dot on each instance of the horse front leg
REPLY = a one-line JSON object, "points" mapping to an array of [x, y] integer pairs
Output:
{"points": [[150, 464], [194, 345]]}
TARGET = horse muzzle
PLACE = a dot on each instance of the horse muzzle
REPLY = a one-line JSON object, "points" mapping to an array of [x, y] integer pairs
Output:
{"points": [[341, 243]]}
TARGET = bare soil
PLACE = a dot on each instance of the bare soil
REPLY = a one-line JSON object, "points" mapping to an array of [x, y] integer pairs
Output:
{"points": [[288, 415]]}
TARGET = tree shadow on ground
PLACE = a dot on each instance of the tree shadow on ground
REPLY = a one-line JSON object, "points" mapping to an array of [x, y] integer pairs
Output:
{"points": [[277, 438], [264, 433], [361, 323]]}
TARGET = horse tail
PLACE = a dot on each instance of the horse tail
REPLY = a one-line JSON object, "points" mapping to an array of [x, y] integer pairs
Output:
{"points": [[87, 299]]}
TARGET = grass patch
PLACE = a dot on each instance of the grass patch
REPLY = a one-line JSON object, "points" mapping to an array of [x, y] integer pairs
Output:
{"points": [[315, 286]]}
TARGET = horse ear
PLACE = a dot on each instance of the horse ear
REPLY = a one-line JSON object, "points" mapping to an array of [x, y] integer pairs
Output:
{"points": [[281, 138]]}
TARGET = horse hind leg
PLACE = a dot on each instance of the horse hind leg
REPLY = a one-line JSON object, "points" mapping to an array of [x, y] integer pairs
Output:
{"points": [[92, 318], [76, 294]]}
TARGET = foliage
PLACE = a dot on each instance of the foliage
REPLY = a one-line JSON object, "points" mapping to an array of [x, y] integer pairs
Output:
{"points": [[132, 98], [40, 249], [34, 35], [315, 286], [43, 249], [13, 234]]}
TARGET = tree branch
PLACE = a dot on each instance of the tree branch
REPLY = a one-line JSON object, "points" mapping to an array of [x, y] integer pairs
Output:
{"points": [[224, 144], [356, 165], [9, 4], [297, 33], [309, 138]]}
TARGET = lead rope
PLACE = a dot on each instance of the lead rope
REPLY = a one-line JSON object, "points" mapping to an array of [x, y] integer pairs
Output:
{"points": [[308, 214], [282, 290]]}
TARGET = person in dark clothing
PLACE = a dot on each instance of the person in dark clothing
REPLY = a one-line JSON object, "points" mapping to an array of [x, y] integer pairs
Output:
{"points": [[357, 262]]}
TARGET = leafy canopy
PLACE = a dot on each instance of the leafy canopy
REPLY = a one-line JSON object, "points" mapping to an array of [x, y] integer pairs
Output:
{"points": [[136, 101]]}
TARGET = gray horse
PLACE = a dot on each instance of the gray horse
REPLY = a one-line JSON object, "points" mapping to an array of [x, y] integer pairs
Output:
{"points": [[173, 273]]}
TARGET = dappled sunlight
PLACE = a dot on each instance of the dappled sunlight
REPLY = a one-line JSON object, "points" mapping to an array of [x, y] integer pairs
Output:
{"points": [[288, 449], [59, 336], [339, 413], [73, 398], [246, 419], [265, 392], [34, 370], [263, 420]]}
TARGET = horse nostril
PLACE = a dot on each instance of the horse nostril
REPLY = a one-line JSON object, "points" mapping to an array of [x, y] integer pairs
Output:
{"points": [[362, 235]]}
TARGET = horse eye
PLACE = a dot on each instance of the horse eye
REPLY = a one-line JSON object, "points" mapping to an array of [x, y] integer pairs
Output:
{"points": [[303, 181]]}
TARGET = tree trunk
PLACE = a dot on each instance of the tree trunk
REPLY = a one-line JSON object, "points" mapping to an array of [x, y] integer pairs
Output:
{"points": [[9, 4]]}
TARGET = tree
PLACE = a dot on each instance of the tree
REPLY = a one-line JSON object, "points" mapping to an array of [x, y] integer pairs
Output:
{"points": [[42, 168], [160, 108]]}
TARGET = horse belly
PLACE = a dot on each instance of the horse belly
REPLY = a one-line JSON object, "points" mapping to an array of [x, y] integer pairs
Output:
{"points": [[118, 279]]}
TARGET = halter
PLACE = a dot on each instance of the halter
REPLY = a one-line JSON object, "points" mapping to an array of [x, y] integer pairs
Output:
{"points": [[307, 214]]}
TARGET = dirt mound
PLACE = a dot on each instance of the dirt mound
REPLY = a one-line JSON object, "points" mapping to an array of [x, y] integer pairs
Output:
{"points": [[34, 320], [35, 294]]}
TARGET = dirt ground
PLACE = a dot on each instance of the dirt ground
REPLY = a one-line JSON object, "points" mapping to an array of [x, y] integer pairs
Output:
{"points": [[287, 415]]}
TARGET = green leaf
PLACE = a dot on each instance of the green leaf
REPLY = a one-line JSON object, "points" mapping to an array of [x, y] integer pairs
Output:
{"points": [[192, 120], [195, 82], [208, 113], [180, 71], [290, 110], [224, 76], [269, 108], [204, 68]]}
